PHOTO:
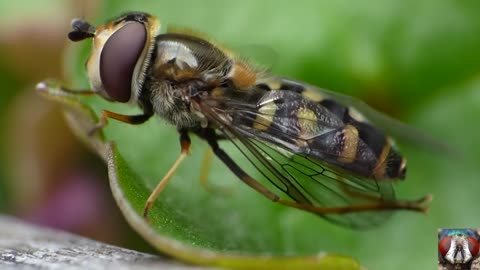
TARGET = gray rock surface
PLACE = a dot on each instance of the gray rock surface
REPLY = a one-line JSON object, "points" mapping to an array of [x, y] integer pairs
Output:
{"points": [[24, 246]]}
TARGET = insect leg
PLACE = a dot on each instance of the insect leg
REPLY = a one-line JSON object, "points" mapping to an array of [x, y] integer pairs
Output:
{"points": [[206, 166], [46, 86], [374, 206], [129, 119], [225, 158], [185, 149], [417, 205]]}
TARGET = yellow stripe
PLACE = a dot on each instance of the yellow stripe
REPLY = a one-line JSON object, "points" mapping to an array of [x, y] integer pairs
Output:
{"points": [[265, 116], [350, 144], [356, 115], [313, 95], [273, 83], [381, 166], [307, 121]]}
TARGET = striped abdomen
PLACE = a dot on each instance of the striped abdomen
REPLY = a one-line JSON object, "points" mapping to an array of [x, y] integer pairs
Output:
{"points": [[307, 122]]}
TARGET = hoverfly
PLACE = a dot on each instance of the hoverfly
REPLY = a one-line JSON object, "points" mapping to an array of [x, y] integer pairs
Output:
{"points": [[328, 157]]}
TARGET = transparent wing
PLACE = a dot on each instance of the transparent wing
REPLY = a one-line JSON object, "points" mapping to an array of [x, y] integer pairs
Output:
{"points": [[394, 127], [310, 181], [305, 179]]}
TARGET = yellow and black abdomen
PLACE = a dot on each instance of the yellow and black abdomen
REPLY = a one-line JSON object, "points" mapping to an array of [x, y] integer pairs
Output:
{"points": [[321, 129]]}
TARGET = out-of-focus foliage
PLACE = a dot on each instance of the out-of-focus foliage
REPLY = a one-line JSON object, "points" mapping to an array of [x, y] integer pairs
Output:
{"points": [[417, 60], [46, 175], [21, 63], [8, 82]]}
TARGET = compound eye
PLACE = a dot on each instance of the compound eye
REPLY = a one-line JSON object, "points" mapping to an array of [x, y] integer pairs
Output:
{"points": [[473, 246], [118, 59], [444, 245]]}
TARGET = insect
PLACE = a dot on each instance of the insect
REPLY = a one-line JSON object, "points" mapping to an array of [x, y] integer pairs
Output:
{"points": [[458, 246], [321, 154]]}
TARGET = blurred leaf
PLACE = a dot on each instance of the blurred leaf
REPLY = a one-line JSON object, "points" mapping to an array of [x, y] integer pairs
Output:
{"points": [[20, 42], [8, 82]]}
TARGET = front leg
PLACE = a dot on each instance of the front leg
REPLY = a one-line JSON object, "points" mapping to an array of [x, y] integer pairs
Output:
{"points": [[46, 87], [129, 119]]}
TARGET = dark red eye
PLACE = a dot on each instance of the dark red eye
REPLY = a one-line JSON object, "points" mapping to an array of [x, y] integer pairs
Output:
{"points": [[444, 245], [473, 246], [118, 59]]}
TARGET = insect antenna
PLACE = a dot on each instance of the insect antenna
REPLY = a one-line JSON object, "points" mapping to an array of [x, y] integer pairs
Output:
{"points": [[81, 30]]}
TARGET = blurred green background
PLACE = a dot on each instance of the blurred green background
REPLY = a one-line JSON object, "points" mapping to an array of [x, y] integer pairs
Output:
{"points": [[418, 61]]}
